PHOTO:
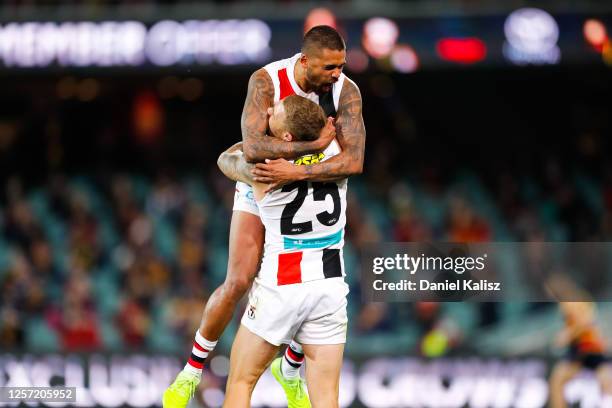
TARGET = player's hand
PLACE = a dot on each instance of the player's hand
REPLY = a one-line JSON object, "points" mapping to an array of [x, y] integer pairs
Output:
{"points": [[276, 173], [327, 134]]}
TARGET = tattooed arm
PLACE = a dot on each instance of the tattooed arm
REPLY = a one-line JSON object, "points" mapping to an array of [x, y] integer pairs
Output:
{"points": [[231, 163], [351, 135], [256, 145]]}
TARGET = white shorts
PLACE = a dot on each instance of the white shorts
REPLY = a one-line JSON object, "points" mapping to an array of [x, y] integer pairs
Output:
{"points": [[244, 200], [312, 312]]}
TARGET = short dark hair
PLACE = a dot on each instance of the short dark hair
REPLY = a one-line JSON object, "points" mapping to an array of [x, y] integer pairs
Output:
{"points": [[322, 37], [304, 119]]}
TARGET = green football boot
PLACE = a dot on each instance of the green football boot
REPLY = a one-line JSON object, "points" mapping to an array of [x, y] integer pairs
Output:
{"points": [[178, 394], [295, 390]]}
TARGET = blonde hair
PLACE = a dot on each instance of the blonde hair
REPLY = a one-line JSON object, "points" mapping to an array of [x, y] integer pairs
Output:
{"points": [[304, 119]]}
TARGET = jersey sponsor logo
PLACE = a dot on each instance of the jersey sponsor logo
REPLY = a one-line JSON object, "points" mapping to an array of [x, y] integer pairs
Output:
{"points": [[304, 243], [248, 195], [309, 159]]}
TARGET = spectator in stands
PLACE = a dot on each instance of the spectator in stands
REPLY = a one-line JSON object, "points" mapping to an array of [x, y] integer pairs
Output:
{"points": [[75, 320], [133, 321], [464, 225]]}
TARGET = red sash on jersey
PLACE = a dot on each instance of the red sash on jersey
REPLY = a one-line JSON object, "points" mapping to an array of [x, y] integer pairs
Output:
{"points": [[285, 86], [289, 270], [326, 101]]}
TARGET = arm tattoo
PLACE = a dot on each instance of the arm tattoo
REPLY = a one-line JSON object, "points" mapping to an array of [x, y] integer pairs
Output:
{"points": [[350, 133], [254, 123], [231, 163]]}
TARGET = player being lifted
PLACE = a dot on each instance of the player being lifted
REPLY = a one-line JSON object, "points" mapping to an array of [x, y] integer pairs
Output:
{"points": [[316, 74], [299, 291]]}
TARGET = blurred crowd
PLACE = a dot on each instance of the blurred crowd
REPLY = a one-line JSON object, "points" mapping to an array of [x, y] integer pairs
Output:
{"points": [[89, 264], [71, 264]]}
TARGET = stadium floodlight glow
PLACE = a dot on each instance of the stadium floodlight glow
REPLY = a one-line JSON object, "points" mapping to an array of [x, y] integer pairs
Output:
{"points": [[595, 33], [166, 43], [531, 37], [130, 43], [228, 42], [379, 36], [404, 59], [81, 44], [319, 16], [462, 50]]}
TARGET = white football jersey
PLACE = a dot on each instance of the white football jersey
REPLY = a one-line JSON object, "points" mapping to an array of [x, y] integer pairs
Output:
{"points": [[304, 221], [283, 79], [304, 224], [282, 74]]}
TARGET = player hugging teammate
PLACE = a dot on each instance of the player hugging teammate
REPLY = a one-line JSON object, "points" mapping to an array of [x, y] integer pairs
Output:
{"points": [[301, 281]]}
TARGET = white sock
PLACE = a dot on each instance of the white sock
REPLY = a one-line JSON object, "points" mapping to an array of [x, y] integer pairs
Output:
{"points": [[292, 361], [199, 352]]}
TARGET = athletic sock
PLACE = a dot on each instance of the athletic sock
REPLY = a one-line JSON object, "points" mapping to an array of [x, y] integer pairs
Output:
{"points": [[199, 352], [292, 361]]}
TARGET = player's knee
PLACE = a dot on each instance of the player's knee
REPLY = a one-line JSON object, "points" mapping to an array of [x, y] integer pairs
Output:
{"points": [[245, 382], [235, 287], [326, 395]]}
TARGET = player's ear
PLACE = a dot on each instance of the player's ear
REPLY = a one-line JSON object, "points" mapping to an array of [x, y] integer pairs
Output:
{"points": [[287, 137], [304, 60], [270, 111]]}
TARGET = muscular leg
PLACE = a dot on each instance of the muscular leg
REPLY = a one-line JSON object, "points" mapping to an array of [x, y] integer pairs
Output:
{"points": [[249, 358], [245, 248], [323, 365], [562, 373]]}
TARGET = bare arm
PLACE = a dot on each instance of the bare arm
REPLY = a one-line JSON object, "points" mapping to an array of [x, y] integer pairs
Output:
{"points": [[351, 135], [231, 163], [254, 123]]}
